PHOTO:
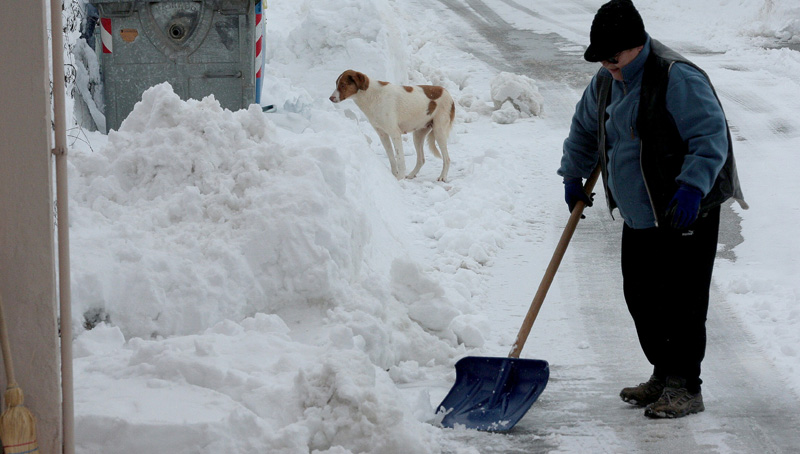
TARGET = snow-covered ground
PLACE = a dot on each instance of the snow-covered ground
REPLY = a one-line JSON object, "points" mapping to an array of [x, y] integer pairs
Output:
{"points": [[260, 283]]}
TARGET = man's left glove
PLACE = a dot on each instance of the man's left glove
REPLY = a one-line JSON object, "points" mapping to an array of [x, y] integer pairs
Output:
{"points": [[684, 206], [573, 192]]}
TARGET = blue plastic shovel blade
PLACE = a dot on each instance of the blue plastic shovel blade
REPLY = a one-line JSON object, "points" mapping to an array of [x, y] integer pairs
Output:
{"points": [[493, 394]]}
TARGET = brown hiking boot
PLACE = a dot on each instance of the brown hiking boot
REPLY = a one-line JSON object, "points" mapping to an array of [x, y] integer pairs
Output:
{"points": [[675, 402], [644, 394]]}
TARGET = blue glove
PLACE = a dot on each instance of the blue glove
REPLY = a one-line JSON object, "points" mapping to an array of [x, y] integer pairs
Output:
{"points": [[684, 206], [573, 192]]}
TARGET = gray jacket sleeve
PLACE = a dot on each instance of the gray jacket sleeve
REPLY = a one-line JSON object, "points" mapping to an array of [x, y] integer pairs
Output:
{"points": [[580, 153], [701, 124]]}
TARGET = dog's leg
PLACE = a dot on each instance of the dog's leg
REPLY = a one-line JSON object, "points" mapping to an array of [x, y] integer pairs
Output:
{"points": [[440, 134], [387, 144], [419, 141], [397, 140]]}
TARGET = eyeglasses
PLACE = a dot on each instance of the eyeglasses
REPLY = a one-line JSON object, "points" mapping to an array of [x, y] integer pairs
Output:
{"points": [[615, 59]]}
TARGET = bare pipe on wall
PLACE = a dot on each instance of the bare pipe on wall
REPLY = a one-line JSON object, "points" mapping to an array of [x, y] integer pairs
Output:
{"points": [[62, 206]]}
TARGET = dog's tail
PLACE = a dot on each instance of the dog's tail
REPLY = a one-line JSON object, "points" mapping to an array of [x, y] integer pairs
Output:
{"points": [[432, 146], [446, 130]]}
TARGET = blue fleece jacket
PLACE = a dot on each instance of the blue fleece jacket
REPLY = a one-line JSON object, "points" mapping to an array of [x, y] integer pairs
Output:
{"points": [[698, 117]]}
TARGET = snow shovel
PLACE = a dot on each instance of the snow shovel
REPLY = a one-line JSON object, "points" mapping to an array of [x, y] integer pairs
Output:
{"points": [[493, 394]]}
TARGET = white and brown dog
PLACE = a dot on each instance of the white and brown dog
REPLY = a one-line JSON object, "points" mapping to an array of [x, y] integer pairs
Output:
{"points": [[394, 110]]}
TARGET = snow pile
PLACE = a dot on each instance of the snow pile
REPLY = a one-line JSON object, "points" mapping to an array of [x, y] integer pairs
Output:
{"points": [[781, 19], [192, 216], [205, 216], [515, 95], [180, 180], [281, 397]]}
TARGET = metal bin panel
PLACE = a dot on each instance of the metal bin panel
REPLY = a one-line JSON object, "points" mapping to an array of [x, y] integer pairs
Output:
{"points": [[200, 47]]}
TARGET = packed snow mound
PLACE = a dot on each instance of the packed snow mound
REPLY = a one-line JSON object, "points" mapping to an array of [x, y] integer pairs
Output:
{"points": [[186, 188], [518, 90], [506, 114], [782, 20], [204, 216], [282, 397], [200, 236]]}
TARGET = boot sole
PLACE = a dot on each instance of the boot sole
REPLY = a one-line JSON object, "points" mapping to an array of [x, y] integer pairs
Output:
{"points": [[650, 413], [636, 402]]}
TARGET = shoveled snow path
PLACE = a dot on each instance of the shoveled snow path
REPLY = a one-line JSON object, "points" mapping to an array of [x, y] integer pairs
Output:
{"points": [[584, 330]]}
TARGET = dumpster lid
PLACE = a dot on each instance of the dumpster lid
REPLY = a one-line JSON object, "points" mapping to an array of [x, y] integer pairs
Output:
{"points": [[123, 8]]}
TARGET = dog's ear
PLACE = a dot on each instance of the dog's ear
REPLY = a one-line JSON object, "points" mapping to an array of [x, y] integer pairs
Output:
{"points": [[361, 80]]}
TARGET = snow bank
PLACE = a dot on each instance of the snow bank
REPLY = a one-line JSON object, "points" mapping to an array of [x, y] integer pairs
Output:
{"points": [[515, 91], [715, 24], [780, 19], [177, 199], [280, 397], [204, 215], [193, 216]]}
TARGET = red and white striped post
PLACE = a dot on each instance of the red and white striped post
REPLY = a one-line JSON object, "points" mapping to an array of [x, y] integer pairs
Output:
{"points": [[105, 35]]}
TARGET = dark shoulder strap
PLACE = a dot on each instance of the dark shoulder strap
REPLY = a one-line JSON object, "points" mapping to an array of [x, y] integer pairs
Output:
{"points": [[604, 81], [603, 98], [652, 100]]}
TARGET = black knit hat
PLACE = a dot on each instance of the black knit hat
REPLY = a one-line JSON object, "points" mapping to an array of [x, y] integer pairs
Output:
{"points": [[617, 26]]}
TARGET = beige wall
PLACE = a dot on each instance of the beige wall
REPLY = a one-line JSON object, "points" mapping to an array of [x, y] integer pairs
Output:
{"points": [[27, 272]]}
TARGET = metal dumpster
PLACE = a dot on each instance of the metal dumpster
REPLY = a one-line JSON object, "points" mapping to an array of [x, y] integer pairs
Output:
{"points": [[201, 47]]}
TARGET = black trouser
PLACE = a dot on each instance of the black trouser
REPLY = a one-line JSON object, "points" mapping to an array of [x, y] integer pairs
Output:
{"points": [[666, 276]]}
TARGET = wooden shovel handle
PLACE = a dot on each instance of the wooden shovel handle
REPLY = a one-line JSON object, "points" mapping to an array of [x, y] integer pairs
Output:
{"points": [[550, 273]]}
